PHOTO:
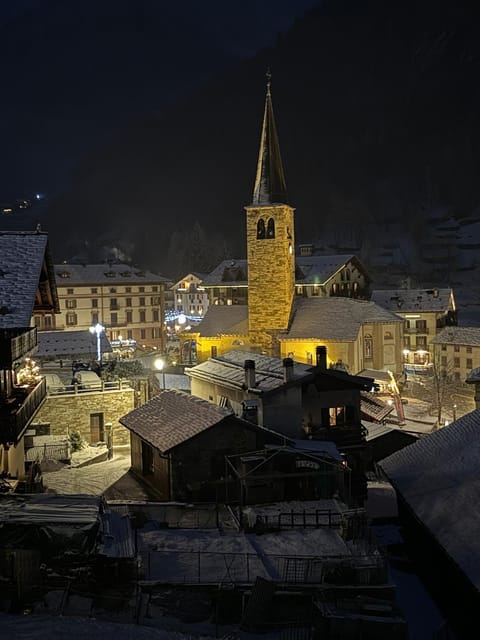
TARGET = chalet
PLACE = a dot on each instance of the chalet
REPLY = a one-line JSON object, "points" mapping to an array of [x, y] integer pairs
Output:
{"points": [[27, 286], [300, 401]]}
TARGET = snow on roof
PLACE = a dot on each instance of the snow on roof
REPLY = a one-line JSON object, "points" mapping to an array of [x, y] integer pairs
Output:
{"points": [[316, 318], [50, 508], [438, 478], [224, 319], [469, 336], [414, 300], [21, 258], [107, 274], [70, 343], [172, 417]]}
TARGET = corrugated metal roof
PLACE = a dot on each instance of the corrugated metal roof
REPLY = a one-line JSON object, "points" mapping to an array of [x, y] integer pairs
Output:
{"points": [[336, 319], [411, 300], [173, 417], [438, 478], [71, 274], [21, 258]]}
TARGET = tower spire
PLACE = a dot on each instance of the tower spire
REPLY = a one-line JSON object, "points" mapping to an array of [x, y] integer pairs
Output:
{"points": [[270, 186]]}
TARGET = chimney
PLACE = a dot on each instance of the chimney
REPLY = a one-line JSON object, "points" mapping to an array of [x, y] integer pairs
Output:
{"points": [[287, 369], [249, 367], [321, 354]]}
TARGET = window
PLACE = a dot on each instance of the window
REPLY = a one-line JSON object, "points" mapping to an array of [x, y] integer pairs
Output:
{"points": [[143, 334], [128, 302], [141, 302], [94, 303], [38, 322], [94, 318], [213, 352], [113, 303], [406, 342], [71, 319], [129, 334], [469, 363], [141, 289], [113, 289], [260, 229], [388, 335], [368, 346], [444, 347], [443, 361], [70, 292], [155, 300], [456, 348], [315, 290], [71, 304], [155, 315], [271, 228], [128, 317], [309, 358], [456, 362], [156, 332], [469, 349], [94, 290], [421, 342], [421, 326], [142, 315], [456, 376], [47, 322], [128, 289], [113, 319], [155, 289]]}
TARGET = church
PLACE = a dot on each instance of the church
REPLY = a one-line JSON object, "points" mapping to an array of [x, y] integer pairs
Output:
{"points": [[280, 316]]}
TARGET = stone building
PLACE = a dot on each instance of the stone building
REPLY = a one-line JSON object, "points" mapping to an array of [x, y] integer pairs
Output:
{"points": [[281, 306]]}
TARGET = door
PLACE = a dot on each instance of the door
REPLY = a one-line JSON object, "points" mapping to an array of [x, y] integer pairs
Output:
{"points": [[97, 433]]}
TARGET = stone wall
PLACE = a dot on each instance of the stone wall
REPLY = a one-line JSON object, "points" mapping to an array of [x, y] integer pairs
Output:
{"points": [[67, 413]]}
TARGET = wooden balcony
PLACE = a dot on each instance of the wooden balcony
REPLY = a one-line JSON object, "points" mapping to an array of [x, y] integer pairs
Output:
{"points": [[345, 437], [17, 412], [16, 344]]}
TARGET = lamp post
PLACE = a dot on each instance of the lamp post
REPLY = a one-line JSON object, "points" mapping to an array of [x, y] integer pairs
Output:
{"points": [[159, 364], [98, 329]]}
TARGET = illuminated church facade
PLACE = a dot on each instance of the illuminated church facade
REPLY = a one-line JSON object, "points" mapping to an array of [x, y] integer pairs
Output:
{"points": [[277, 321]]}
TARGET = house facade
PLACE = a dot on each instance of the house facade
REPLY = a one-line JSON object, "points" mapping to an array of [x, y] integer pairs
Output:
{"points": [[425, 313], [456, 351], [189, 296], [128, 302]]}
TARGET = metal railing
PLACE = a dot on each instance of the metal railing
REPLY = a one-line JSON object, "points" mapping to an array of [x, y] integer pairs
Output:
{"points": [[101, 386]]}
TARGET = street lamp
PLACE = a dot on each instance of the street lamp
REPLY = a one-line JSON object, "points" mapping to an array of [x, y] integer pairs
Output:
{"points": [[159, 364], [98, 329]]}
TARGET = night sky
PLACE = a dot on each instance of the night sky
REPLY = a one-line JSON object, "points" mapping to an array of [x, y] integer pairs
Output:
{"points": [[73, 72]]}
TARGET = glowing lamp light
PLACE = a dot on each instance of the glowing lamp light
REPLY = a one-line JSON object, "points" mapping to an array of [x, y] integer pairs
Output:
{"points": [[98, 329]]}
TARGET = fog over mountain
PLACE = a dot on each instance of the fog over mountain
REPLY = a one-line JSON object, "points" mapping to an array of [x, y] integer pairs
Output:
{"points": [[377, 111]]}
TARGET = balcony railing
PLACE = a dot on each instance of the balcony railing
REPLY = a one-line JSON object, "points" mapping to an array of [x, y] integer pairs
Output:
{"points": [[16, 344], [17, 412], [416, 330]]}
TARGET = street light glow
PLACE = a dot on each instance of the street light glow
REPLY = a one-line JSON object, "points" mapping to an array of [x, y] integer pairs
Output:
{"points": [[98, 329]]}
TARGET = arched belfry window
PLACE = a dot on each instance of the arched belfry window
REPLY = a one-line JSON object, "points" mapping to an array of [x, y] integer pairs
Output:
{"points": [[271, 228], [260, 229]]}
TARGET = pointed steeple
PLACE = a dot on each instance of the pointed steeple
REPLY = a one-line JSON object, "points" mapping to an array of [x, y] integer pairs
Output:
{"points": [[270, 186]]}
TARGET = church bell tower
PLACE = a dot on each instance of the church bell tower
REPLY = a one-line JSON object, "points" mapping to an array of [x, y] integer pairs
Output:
{"points": [[270, 242]]}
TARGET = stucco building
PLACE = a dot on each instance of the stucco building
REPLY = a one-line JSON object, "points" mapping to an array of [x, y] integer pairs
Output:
{"points": [[127, 301]]}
